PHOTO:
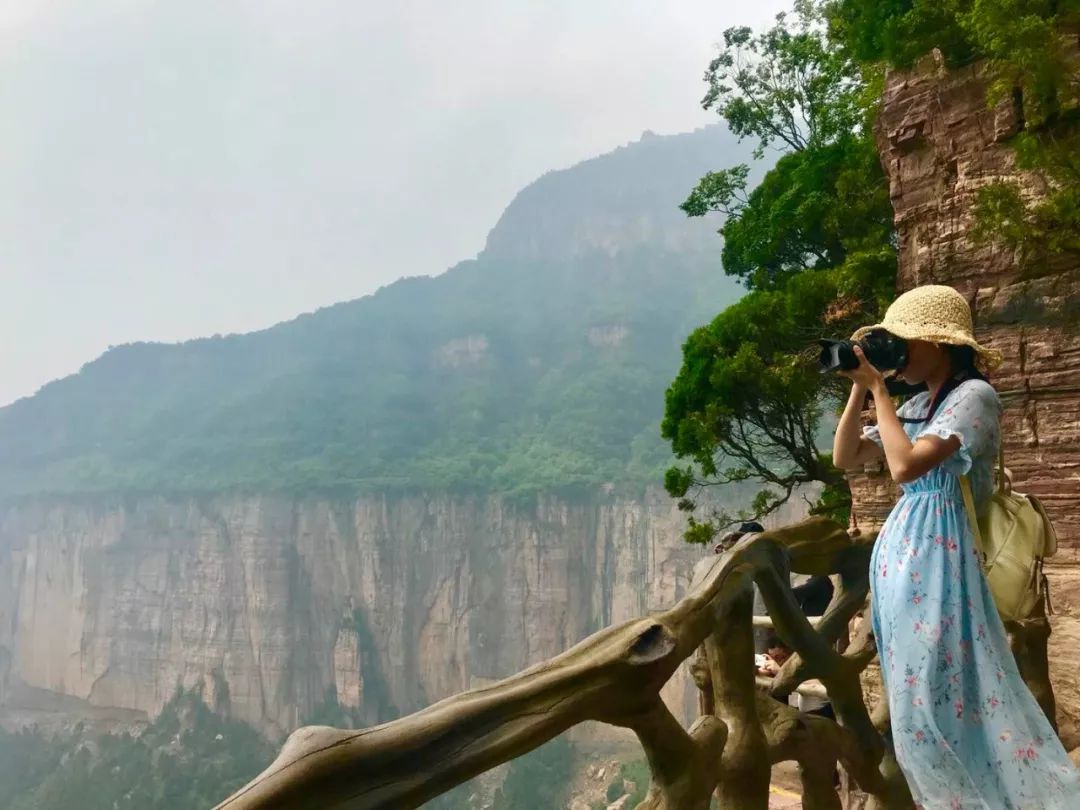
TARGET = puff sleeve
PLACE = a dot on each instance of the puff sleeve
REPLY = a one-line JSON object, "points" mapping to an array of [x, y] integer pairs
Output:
{"points": [[972, 413]]}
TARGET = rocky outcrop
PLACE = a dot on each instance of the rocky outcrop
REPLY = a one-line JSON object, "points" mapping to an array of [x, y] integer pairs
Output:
{"points": [[940, 143], [387, 603]]}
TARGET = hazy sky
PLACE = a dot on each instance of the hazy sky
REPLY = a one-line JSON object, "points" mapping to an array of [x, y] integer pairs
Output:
{"points": [[177, 168]]}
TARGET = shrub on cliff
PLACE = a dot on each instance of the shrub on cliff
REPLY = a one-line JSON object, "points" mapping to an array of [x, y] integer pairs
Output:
{"points": [[1030, 50]]}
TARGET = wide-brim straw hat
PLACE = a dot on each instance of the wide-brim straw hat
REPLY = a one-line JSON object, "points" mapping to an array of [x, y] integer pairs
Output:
{"points": [[937, 314]]}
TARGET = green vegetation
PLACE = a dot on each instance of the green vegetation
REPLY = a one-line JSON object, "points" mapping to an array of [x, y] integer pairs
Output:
{"points": [[539, 366], [813, 242], [538, 779], [636, 773], [1041, 230], [1030, 50], [330, 712], [1022, 38], [900, 32], [187, 758]]}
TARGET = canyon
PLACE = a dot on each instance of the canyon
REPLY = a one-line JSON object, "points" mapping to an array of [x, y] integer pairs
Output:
{"points": [[350, 515]]}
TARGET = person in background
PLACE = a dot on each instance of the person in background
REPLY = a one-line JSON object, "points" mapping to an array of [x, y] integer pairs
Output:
{"points": [[810, 704], [813, 597], [761, 635]]}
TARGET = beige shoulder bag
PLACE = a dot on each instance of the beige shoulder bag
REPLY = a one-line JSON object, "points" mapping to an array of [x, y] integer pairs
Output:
{"points": [[1013, 537]]}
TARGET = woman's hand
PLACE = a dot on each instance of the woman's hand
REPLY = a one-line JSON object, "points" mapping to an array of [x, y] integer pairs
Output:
{"points": [[865, 376], [850, 448]]}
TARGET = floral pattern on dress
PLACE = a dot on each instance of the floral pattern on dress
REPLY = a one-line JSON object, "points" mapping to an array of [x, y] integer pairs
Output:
{"points": [[966, 729]]}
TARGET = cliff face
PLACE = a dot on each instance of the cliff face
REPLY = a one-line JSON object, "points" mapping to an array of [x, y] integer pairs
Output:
{"points": [[386, 603], [940, 143]]}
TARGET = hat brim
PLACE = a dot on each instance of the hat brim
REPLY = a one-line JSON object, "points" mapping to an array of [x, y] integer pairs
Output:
{"points": [[988, 358]]}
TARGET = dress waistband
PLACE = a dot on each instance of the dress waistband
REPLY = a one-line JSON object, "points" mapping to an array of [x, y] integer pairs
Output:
{"points": [[952, 490]]}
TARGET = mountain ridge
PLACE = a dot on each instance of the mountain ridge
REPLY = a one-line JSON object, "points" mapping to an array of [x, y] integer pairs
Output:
{"points": [[507, 372]]}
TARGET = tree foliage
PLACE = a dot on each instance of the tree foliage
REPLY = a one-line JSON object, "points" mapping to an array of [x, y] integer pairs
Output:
{"points": [[1027, 42], [899, 32], [792, 92], [188, 757], [748, 401], [787, 87], [814, 243], [1029, 47], [810, 212], [540, 778], [1041, 229]]}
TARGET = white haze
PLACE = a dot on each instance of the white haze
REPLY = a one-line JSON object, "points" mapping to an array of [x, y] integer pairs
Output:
{"points": [[182, 168]]}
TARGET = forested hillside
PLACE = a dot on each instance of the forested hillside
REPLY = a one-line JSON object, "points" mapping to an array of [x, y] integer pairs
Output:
{"points": [[540, 364]]}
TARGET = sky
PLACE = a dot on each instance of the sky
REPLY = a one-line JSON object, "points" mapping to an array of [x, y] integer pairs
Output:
{"points": [[172, 169]]}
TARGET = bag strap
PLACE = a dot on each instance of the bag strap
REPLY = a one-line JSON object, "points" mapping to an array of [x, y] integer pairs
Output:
{"points": [[1001, 467], [973, 521], [1044, 585]]}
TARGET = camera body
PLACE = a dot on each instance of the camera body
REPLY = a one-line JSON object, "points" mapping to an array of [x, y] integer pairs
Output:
{"points": [[884, 351]]}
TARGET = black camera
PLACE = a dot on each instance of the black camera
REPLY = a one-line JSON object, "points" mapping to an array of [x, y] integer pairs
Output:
{"points": [[883, 350]]}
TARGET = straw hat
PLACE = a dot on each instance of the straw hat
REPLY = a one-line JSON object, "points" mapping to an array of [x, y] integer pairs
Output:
{"points": [[934, 313]]}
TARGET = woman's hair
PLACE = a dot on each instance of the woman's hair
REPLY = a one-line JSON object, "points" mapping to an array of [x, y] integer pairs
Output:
{"points": [[814, 595], [962, 364], [962, 361]]}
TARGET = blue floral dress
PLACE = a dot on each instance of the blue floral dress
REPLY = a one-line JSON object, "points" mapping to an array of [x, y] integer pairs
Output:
{"points": [[966, 729]]}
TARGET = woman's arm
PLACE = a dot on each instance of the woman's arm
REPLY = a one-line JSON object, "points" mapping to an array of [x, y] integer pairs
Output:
{"points": [[850, 447], [907, 461]]}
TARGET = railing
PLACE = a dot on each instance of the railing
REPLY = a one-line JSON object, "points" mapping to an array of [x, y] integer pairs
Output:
{"points": [[615, 676]]}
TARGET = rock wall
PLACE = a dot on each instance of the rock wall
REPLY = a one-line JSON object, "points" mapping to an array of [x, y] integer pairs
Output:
{"points": [[273, 603], [940, 143]]}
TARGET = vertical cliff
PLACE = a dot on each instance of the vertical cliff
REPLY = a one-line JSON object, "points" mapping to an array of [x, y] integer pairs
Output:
{"points": [[272, 604], [940, 143]]}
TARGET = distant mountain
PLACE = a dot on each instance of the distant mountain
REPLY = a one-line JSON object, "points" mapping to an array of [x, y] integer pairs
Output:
{"points": [[539, 365]]}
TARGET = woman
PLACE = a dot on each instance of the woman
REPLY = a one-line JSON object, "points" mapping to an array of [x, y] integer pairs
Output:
{"points": [[966, 730]]}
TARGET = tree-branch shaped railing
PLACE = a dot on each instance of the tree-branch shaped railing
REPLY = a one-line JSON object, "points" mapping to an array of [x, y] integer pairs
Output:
{"points": [[615, 676]]}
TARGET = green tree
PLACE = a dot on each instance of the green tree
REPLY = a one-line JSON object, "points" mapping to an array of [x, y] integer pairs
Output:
{"points": [[899, 31], [1029, 46], [1026, 42], [788, 86], [795, 93], [814, 243]]}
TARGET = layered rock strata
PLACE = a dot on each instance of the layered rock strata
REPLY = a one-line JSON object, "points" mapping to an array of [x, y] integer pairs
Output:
{"points": [[940, 142]]}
